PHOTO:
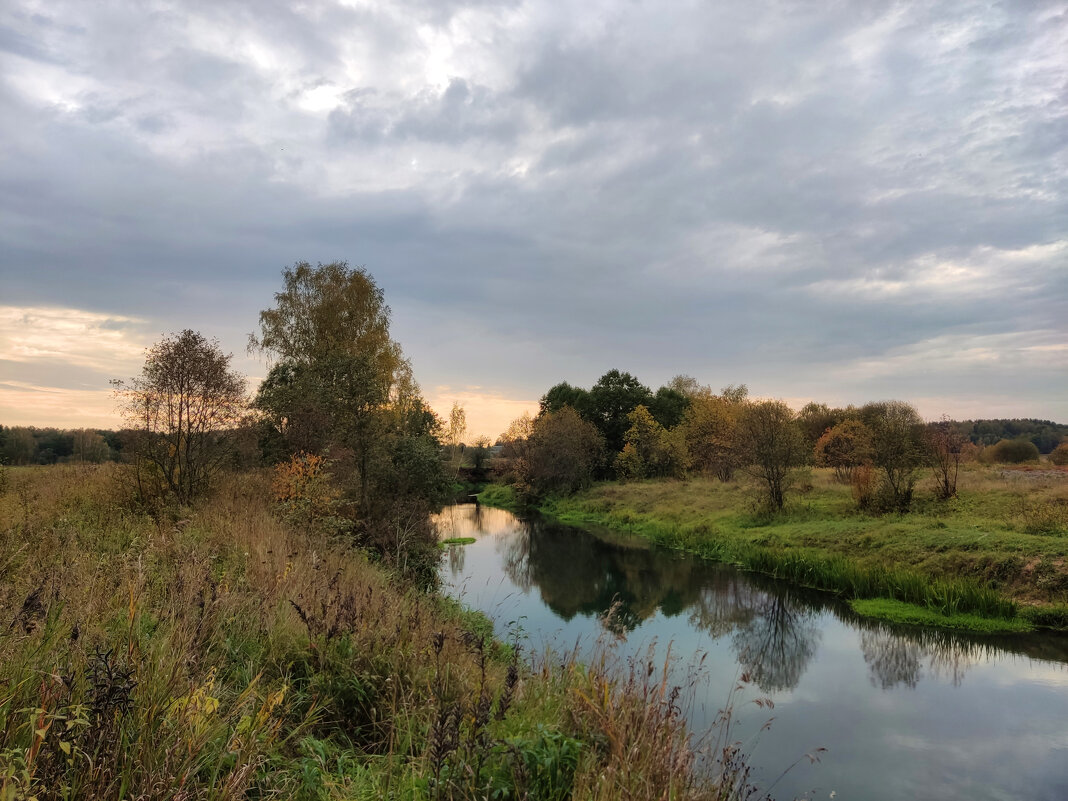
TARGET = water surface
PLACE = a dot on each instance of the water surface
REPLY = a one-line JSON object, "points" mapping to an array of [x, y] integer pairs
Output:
{"points": [[902, 712]]}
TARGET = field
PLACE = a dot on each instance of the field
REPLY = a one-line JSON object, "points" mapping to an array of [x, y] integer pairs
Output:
{"points": [[997, 550], [212, 652]]}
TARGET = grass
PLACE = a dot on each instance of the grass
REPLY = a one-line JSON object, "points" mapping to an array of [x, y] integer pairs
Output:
{"points": [[458, 541], [217, 653], [909, 614], [501, 496], [998, 550]]}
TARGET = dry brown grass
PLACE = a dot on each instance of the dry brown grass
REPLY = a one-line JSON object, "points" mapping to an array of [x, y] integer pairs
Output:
{"points": [[217, 652]]}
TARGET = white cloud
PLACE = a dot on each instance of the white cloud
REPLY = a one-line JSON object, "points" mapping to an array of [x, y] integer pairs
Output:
{"points": [[953, 354], [109, 343], [22, 403]]}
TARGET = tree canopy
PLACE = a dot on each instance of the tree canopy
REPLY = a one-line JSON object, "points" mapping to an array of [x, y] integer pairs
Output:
{"points": [[182, 410], [340, 387]]}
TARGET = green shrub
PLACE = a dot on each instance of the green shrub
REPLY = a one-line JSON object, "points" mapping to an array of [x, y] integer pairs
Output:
{"points": [[1049, 516], [1011, 451]]}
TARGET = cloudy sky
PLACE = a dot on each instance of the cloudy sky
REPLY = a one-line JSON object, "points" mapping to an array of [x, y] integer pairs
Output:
{"points": [[832, 200]]}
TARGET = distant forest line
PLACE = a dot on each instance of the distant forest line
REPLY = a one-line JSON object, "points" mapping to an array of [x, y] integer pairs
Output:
{"points": [[30, 445]]}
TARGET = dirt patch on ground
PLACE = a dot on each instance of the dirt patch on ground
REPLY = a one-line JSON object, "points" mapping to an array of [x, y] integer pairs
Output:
{"points": [[1035, 473]]}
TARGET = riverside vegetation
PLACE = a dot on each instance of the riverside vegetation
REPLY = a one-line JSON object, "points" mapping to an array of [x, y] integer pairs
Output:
{"points": [[245, 606], [218, 651], [990, 559], [944, 522]]}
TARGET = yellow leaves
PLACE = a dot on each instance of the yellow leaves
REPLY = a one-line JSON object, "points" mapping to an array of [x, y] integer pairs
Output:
{"points": [[273, 700], [294, 478], [197, 709], [302, 487]]}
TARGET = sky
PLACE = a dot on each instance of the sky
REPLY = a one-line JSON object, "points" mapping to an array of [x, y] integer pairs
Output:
{"points": [[835, 201]]}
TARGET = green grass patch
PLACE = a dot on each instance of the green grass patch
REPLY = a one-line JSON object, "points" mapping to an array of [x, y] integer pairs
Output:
{"points": [[458, 541], [501, 496], [912, 615], [1053, 616]]}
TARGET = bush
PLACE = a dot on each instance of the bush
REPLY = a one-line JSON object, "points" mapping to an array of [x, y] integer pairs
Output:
{"points": [[897, 450], [1059, 456], [1011, 451], [563, 453], [305, 494], [844, 447], [1046, 517]]}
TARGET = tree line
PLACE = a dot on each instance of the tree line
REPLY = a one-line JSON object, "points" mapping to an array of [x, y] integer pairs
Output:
{"points": [[26, 445], [621, 429]]}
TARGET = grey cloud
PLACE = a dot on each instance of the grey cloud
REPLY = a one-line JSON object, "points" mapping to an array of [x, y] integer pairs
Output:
{"points": [[662, 193], [11, 41], [459, 114]]}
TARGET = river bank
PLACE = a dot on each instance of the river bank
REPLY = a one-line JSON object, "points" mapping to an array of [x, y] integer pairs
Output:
{"points": [[215, 652], [992, 559], [902, 711]]}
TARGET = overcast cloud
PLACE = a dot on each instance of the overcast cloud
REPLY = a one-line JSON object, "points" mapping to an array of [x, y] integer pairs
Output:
{"points": [[840, 201]]}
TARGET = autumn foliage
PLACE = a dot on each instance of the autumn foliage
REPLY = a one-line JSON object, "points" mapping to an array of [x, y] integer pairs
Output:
{"points": [[302, 488]]}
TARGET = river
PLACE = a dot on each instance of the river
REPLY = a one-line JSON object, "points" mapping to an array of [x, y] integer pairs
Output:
{"points": [[902, 712]]}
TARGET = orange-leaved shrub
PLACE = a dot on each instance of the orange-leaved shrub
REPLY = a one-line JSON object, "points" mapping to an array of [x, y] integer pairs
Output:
{"points": [[304, 492]]}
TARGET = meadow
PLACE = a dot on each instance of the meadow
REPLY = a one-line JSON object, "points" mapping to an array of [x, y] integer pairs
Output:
{"points": [[996, 551], [214, 652]]}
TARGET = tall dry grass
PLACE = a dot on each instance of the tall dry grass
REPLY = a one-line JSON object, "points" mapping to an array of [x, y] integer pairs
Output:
{"points": [[219, 653]]}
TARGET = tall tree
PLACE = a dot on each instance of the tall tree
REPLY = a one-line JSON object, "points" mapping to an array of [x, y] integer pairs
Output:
{"points": [[563, 394], [897, 449], [668, 406], [945, 444], [650, 450], [772, 445], [816, 419], [20, 447], [340, 386], [335, 366], [329, 310], [710, 428], [182, 410], [89, 446], [562, 453], [455, 430], [689, 386], [612, 398]]}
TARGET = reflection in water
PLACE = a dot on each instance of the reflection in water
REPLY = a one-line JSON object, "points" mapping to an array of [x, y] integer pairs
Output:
{"points": [[774, 629], [455, 555], [778, 643], [587, 576], [905, 712], [892, 660], [899, 655]]}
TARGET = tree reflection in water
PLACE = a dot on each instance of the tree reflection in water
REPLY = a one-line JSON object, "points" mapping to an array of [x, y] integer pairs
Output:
{"points": [[775, 629], [898, 655], [577, 573], [455, 555], [776, 646], [625, 582]]}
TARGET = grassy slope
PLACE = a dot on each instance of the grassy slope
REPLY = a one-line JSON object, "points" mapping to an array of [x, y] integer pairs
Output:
{"points": [[221, 654], [989, 536]]}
